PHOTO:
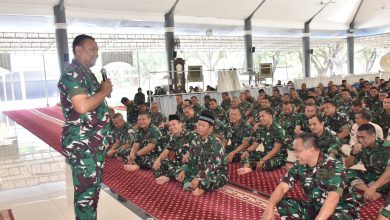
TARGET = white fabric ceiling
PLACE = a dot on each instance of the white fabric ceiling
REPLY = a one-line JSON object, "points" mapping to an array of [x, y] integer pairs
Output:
{"points": [[224, 17]]}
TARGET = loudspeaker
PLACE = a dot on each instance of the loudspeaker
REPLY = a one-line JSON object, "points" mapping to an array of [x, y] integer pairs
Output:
{"points": [[311, 51], [253, 49], [174, 54]]}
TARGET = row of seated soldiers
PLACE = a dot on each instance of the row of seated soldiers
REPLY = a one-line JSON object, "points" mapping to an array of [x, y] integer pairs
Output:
{"points": [[259, 137]]}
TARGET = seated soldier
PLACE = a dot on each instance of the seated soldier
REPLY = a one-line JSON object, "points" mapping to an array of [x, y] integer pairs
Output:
{"points": [[383, 118], [147, 145], [226, 101], [336, 121], [217, 111], [287, 119], [198, 108], [206, 168], [244, 106], [121, 136], [239, 134], [170, 160], [158, 118], [323, 182], [375, 155], [327, 140], [132, 111], [302, 123], [271, 136], [362, 118], [190, 118]]}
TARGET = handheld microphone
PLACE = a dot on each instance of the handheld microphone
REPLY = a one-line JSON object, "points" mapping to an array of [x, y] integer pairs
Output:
{"points": [[104, 76]]}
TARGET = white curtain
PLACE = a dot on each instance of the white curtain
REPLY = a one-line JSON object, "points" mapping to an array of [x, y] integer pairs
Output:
{"points": [[228, 81]]}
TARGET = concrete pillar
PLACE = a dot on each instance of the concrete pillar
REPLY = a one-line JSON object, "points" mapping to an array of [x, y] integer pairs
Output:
{"points": [[248, 45], [169, 44], [350, 51], [306, 50], [61, 35]]}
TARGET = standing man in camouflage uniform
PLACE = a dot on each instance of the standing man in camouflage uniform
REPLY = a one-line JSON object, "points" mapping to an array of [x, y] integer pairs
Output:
{"points": [[323, 182], [147, 145], [170, 160], [272, 137], [87, 129], [239, 134], [375, 155], [206, 169]]}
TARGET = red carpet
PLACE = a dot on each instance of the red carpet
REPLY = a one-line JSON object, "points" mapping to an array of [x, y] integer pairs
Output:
{"points": [[6, 215], [169, 201], [162, 202]]}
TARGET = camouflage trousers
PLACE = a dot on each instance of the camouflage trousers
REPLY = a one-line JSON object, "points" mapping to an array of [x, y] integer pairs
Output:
{"points": [[87, 167], [355, 177], [146, 161], [271, 164], [237, 156], [207, 184], [168, 168], [123, 153], [289, 208], [385, 211]]}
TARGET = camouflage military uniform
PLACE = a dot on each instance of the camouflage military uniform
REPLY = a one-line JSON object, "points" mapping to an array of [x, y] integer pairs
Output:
{"points": [[375, 160], [328, 142], [288, 123], [158, 118], [383, 119], [242, 132], [373, 103], [178, 147], [268, 137], [145, 136], [303, 121], [190, 123], [251, 100], [327, 176], [345, 106], [244, 106], [219, 128], [338, 122], [132, 114], [130, 136], [199, 108], [207, 162], [256, 109], [84, 138], [226, 104], [219, 113], [319, 100], [298, 103], [302, 94], [276, 105]]}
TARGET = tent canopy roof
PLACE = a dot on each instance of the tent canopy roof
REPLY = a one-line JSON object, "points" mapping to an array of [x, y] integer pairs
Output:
{"points": [[223, 17]]}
